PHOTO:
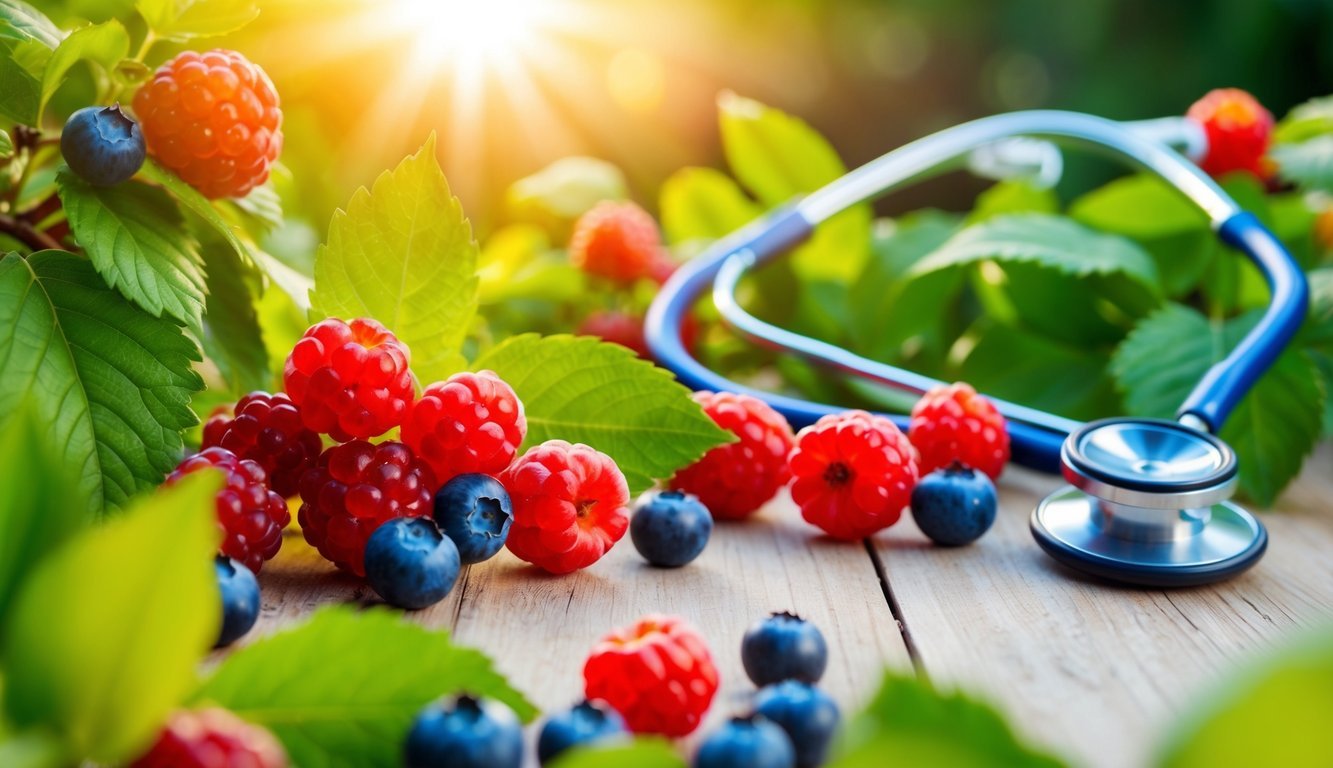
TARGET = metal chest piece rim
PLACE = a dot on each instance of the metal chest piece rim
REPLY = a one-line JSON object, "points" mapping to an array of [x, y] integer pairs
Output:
{"points": [[1148, 504]]}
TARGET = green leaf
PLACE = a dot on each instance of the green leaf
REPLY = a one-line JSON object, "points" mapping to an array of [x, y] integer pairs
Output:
{"points": [[32, 749], [232, 336], [1013, 196], [1274, 427], [261, 206], [6, 144], [1274, 712], [101, 44], [1061, 378], [185, 19], [20, 21], [110, 382], [403, 254], [1045, 240], [1309, 164], [196, 203], [703, 204], [355, 710], [136, 238], [778, 158], [1306, 121], [22, 63], [107, 632], [917, 725], [1174, 231], [889, 310], [40, 507], [585, 391], [1317, 335], [641, 753], [554, 197]]}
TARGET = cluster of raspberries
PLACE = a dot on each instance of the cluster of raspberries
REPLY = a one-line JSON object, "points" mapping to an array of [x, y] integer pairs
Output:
{"points": [[349, 382], [851, 473]]}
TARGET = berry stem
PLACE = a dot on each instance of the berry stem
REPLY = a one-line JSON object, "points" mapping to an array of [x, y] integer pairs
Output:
{"points": [[149, 40], [27, 234]]}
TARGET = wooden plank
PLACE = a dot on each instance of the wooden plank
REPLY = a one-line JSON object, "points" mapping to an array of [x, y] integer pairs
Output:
{"points": [[1093, 670], [299, 581], [539, 628]]}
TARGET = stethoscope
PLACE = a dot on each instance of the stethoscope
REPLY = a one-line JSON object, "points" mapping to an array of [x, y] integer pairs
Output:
{"points": [[1148, 499]]}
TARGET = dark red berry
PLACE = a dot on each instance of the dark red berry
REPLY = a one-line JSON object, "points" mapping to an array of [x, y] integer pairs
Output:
{"points": [[353, 489], [251, 516], [267, 429]]}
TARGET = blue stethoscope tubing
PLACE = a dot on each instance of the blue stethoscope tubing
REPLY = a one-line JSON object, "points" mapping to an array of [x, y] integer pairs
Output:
{"points": [[1036, 437]]}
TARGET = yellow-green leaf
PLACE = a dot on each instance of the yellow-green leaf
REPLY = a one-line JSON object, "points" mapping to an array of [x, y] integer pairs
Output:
{"points": [[185, 19], [703, 204], [101, 44], [105, 636], [402, 253]]}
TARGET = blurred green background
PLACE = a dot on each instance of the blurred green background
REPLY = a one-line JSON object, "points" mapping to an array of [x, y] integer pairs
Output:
{"points": [[510, 85]]}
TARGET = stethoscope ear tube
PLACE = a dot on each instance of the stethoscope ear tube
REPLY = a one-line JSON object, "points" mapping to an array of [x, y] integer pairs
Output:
{"points": [[1226, 382]]}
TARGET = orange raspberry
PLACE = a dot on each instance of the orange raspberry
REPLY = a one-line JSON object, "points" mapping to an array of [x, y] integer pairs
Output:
{"points": [[214, 119]]}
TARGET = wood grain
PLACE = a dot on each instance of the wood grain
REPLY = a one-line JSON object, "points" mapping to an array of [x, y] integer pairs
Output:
{"points": [[539, 628], [1092, 670]]}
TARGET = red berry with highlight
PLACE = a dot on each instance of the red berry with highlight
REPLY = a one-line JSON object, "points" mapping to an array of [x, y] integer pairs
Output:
{"points": [[853, 474], [350, 380], [212, 738], [214, 119], [657, 673], [736, 479], [251, 516], [954, 423], [471, 423], [570, 506], [267, 429], [1239, 130], [619, 241], [354, 489]]}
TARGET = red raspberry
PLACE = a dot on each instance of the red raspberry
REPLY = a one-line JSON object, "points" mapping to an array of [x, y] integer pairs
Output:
{"points": [[954, 423], [251, 516], [473, 422], [1238, 130], [266, 429], [619, 241], [854, 472], [736, 479], [212, 738], [213, 118], [569, 506], [627, 331], [354, 489], [657, 673], [349, 380], [617, 328]]}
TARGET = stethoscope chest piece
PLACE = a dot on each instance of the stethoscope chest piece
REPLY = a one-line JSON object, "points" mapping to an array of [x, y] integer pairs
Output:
{"points": [[1148, 504]]}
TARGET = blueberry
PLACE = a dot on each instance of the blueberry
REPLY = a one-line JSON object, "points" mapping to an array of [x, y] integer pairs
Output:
{"points": [[746, 742], [102, 145], [670, 528], [475, 512], [465, 733], [806, 713], [784, 646], [240, 599], [591, 722], [410, 563], [955, 505]]}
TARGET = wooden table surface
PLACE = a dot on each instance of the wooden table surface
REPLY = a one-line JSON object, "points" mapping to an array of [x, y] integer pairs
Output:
{"points": [[1089, 670]]}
